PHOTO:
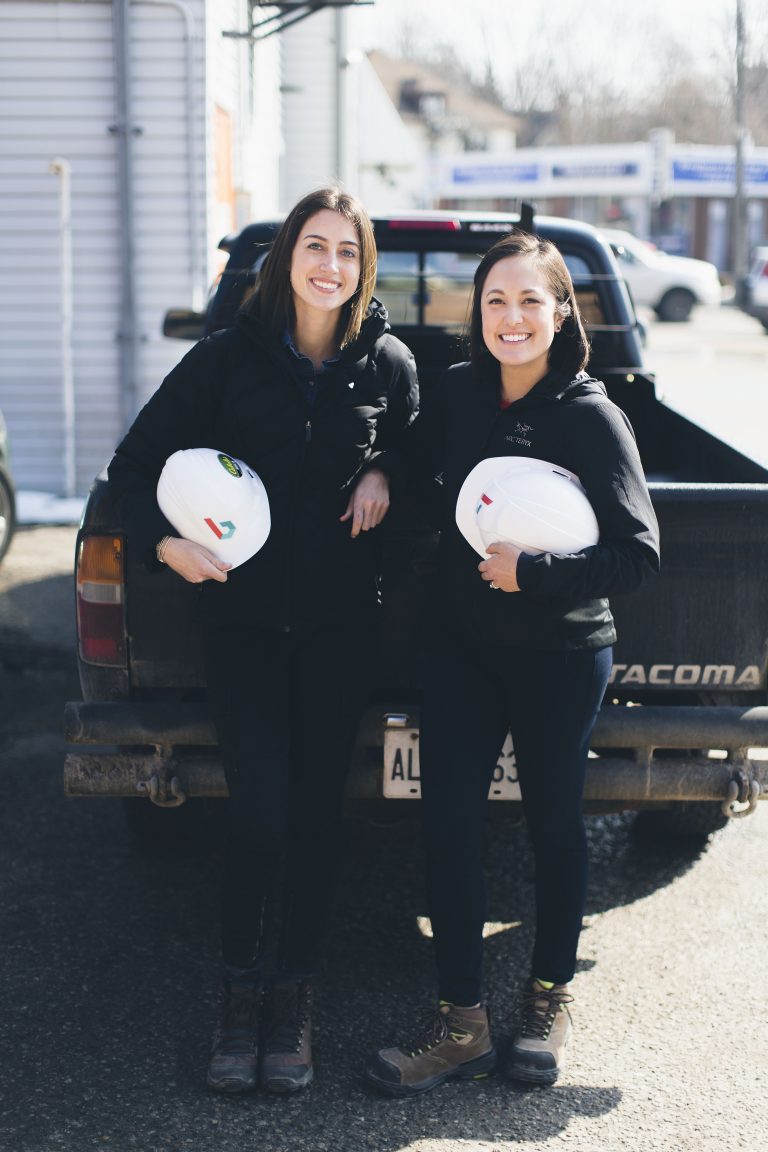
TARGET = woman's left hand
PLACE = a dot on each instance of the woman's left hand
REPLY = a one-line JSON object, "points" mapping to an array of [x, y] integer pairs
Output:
{"points": [[369, 502], [500, 570]]}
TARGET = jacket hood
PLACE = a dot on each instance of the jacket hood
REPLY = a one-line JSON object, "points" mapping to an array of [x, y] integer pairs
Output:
{"points": [[373, 327], [555, 385]]}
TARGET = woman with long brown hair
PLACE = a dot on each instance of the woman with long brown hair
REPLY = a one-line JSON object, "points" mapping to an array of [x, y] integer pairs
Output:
{"points": [[311, 391]]}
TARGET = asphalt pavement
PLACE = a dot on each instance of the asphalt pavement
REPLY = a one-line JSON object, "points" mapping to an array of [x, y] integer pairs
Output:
{"points": [[109, 957]]}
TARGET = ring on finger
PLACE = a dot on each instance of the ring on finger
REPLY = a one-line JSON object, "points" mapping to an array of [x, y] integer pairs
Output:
{"points": [[494, 586]]}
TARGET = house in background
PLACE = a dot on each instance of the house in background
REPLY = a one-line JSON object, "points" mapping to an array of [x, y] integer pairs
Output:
{"points": [[410, 115]]}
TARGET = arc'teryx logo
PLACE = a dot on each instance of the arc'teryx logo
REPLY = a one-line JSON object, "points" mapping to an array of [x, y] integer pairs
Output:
{"points": [[217, 528], [521, 434]]}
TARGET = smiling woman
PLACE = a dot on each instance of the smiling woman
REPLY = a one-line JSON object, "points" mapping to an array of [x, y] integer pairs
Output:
{"points": [[519, 316], [325, 268], [312, 391], [324, 225], [522, 642]]}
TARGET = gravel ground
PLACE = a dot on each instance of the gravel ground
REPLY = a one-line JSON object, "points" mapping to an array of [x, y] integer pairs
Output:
{"points": [[109, 956]]}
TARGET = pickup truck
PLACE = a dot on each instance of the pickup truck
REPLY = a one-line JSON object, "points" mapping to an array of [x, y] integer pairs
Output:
{"points": [[687, 698]]}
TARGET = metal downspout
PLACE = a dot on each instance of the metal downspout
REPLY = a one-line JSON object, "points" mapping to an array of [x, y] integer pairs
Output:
{"points": [[62, 168], [124, 130], [340, 102]]}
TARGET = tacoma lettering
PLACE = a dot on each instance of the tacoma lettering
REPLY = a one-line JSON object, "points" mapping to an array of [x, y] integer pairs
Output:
{"points": [[687, 675]]}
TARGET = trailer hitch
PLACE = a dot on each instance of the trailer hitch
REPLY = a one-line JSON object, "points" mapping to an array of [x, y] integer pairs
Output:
{"points": [[162, 792], [161, 787], [743, 791]]}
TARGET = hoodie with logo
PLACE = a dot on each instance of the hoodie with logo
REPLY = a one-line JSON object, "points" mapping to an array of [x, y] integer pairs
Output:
{"points": [[563, 600], [240, 391]]}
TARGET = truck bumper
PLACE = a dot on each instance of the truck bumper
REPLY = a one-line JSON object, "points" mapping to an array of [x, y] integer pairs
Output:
{"points": [[644, 755]]}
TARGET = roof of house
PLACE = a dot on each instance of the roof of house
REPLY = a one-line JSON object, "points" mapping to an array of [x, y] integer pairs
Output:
{"points": [[461, 101]]}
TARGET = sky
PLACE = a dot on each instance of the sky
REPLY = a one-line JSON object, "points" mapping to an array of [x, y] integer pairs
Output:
{"points": [[636, 42]]}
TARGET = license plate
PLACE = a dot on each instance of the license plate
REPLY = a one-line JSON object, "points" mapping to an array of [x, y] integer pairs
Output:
{"points": [[401, 768]]}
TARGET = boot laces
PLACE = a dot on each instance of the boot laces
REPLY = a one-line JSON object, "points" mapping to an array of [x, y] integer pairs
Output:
{"points": [[435, 1028], [288, 1016], [539, 1011], [237, 1021]]}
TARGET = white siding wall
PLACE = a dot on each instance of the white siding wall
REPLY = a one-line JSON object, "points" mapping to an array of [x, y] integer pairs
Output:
{"points": [[309, 106], [56, 99], [168, 270], [262, 149]]}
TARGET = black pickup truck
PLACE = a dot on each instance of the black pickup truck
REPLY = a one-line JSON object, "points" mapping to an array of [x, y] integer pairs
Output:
{"points": [[687, 699]]}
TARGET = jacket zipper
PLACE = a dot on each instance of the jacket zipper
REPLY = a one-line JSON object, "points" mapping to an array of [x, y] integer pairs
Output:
{"points": [[288, 582]]}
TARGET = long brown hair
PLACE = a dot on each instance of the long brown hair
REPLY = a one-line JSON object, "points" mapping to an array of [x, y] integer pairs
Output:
{"points": [[272, 299], [570, 348]]}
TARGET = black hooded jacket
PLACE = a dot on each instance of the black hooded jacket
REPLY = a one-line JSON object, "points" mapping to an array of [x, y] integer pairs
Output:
{"points": [[562, 603], [238, 391]]}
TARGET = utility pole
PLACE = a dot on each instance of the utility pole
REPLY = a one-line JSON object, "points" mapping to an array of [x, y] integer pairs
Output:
{"points": [[739, 199]]}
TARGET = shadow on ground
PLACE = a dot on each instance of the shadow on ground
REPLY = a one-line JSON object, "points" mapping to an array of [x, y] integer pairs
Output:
{"points": [[110, 954]]}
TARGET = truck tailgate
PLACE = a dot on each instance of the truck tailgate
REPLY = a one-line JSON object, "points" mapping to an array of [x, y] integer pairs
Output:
{"points": [[703, 625]]}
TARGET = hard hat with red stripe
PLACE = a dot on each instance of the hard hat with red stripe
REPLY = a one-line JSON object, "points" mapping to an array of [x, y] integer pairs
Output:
{"points": [[534, 504]]}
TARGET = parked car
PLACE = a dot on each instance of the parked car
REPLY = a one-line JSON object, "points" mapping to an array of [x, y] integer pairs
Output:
{"points": [[756, 295], [7, 494], [691, 648], [670, 285]]}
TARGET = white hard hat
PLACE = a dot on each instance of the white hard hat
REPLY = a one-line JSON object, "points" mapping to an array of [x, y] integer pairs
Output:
{"points": [[215, 500], [536, 505]]}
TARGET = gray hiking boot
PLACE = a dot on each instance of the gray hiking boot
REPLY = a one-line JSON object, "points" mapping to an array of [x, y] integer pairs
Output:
{"points": [[538, 1050], [286, 1059], [234, 1060], [454, 1042]]}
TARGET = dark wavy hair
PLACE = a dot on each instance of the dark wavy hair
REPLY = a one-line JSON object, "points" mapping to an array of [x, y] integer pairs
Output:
{"points": [[272, 299], [570, 348]]}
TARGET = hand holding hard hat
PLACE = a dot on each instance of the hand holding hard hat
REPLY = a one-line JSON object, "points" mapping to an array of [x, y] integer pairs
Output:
{"points": [[532, 504], [215, 501]]}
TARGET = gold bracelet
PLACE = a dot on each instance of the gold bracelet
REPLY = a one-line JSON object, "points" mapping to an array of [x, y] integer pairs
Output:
{"points": [[160, 549]]}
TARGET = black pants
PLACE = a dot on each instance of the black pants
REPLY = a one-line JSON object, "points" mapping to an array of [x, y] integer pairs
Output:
{"points": [[473, 695], [286, 708]]}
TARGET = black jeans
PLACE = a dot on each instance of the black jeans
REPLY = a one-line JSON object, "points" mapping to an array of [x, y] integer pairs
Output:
{"points": [[286, 709], [474, 694]]}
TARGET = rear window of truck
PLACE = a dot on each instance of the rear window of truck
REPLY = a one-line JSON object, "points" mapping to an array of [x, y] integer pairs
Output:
{"points": [[433, 289]]}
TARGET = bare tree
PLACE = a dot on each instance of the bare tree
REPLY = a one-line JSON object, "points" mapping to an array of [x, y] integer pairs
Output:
{"points": [[652, 79]]}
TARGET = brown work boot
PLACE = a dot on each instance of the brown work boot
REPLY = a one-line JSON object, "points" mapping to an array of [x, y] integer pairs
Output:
{"points": [[234, 1061], [538, 1050], [286, 1059], [454, 1042]]}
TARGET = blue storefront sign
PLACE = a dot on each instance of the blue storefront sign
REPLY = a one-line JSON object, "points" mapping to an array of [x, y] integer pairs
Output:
{"points": [[496, 174], [718, 171], [607, 171]]}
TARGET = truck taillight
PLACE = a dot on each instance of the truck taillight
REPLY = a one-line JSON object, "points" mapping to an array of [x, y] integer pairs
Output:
{"points": [[100, 606], [423, 225]]}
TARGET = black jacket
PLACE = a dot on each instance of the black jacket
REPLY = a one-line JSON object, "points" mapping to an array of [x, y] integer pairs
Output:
{"points": [[563, 599], [238, 391]]}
